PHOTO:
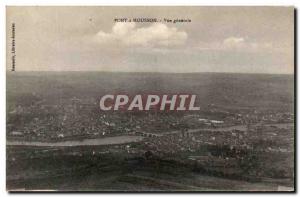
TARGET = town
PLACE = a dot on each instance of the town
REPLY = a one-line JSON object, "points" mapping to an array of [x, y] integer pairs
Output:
{"points": [[239, 139]]}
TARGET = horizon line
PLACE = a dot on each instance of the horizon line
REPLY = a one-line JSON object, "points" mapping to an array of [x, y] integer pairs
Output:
{"points": [[156, 72]]}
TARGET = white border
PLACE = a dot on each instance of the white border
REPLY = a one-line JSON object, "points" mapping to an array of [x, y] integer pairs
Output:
{"points": [[153, 2], [4, 3]]}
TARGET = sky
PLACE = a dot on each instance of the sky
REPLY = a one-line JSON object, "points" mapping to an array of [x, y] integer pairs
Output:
{"points": [[218, 39]]}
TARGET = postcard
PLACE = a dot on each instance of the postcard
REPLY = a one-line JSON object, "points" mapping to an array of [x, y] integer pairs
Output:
{"points": [[150, 98]]}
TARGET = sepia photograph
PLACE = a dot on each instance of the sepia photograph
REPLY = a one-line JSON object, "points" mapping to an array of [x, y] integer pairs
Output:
{"points": [[150, 98]]}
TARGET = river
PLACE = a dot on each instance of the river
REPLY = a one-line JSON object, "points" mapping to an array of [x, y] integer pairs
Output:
{"points": [[127, 139], [86, 142]]}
